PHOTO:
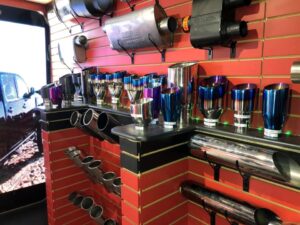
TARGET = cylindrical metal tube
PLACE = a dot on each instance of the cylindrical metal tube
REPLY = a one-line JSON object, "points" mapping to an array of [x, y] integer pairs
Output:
{"points": [[237, 211], [68, 89], [235, 29], [56, 95], [90, 122], [275, 108], [78, 200], [100, 89], [45, 93], [105, 123], [96, 213], [75, 155], [155, 94], [140, 28], [87, 203], [72, 197], [243, 97], [86, 161], [141, 112], [171, 106], [94, 169], [295, 73], [211, 93], [76, 119], [185, 76], [117, 186], [268, 164], [107, 180], [110, 222]]}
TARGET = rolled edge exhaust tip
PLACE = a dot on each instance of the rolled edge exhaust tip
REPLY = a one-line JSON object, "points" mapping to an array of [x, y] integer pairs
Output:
{"points": [[87, 203], [96, 213], [110, 222], [117, 186], [107, 180], [266, 217]]}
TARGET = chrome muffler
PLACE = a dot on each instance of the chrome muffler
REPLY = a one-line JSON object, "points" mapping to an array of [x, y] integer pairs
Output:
{"points": [[268, 164], [228, 207], [141, 28], [275, 108], [211, 93], [243, 97]]}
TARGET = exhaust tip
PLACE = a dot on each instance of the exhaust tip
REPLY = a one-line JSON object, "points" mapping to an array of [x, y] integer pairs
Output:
{"points": [[110, 222], [95, 164], [88, 117], [109, 176], [103, 121], [96, 212], [78, 200], [72, 197], [265, 217], [87, 203], [75, 118], [87, 160], [288, 167]]}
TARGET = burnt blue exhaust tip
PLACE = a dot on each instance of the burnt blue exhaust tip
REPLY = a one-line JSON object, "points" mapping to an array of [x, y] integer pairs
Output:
{"points": [[275, 107], [211, 93], [243, 97]]}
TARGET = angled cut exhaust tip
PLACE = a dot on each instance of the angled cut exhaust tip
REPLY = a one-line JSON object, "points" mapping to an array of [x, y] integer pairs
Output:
{"points": [[107, 180], [288, 167], [117, 186]]}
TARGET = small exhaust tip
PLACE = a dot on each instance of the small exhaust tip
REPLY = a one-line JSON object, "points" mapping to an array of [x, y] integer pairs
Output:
{"points": [[78, 200], [95, 164], [87, 160], [87, 203], [96, 212]]}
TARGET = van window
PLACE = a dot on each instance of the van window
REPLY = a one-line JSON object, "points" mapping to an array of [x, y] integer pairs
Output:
{"points": [[9, 87], [22, 87]]}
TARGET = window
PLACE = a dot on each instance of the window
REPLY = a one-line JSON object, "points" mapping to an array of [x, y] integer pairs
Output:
{"points": [[22, 87], [9, 87]]}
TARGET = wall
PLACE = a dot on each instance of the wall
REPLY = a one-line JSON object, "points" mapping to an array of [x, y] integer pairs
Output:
{"points": [[24, 5], [264, 57]]}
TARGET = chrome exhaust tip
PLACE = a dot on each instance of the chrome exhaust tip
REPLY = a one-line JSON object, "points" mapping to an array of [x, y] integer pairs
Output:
{"points": [[211, 93], [141, 112], [117, 186], [105, 124], [78, 200], [275, 107], [95, 171], [96, 213], [74, 154], [107, 180], [266, 217], [87, 203], [76, 120]]}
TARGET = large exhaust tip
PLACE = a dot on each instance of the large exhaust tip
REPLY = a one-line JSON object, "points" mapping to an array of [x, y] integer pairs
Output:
{"points": [[88, 117], [103, 121]]}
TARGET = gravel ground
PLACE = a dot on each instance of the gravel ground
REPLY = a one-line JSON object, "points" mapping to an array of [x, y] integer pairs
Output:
{"points": [[23, 168]]}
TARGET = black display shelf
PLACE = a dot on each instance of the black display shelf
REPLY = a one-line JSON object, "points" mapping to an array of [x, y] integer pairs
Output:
{"points": [[251, 136]]}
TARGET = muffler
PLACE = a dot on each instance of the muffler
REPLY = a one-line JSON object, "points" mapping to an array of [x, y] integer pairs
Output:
{"points": [[230, 208], [96, 213], [268, 164], [140, 29], [108, 179]]}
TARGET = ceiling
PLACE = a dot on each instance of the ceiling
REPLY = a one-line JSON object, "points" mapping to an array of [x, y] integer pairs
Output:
{"points": [[40, 1]]}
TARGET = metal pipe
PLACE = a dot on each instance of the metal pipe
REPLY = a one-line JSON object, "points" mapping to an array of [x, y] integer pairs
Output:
{"points": [[68, 89], [85, 162], [105, 124], [75, 155], [95, 171], [96, 213], [45, 93], [110, 222], [87, 203], [76, 120], [78, 200], [268, 164], [90, 122], [154, 92], [117, 186], [295, 73], [107, 180], [100, 89], [275, 108], [141, 28], [237, 211]]}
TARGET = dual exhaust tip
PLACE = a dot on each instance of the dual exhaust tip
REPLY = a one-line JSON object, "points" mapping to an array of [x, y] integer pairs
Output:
{"points": [[93, 168], [88, 204], [96, 124]]}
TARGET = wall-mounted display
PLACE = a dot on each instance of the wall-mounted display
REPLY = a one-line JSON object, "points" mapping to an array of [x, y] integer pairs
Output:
{"points": [[243, 101], [272, 165], [211, 98], [275, 108]]}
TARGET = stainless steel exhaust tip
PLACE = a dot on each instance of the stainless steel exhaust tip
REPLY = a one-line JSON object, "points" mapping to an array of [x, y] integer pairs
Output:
{"points": [[108, 179], [72, 197], [94, 169], [117, 186], [87, 203]]}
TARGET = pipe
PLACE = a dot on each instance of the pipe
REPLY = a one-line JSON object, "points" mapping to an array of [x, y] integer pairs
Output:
{"points": [[295, 73], [105, 124], [75, 155], [110, 222], [76, 120], [232, 209], [141, 112], [107, 180], [85, 162], [117, 186], [96, 213], [72, 197], [94, 170], [87, 203], [268, 164], [90, 122], [78, 200]]}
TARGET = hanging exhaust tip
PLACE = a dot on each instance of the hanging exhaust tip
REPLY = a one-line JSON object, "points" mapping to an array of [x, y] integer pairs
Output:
{"points": [[117, 186], [237, 211], [94, 169], [105, 123], [87, 203], [110, 222], [96, 213], [107, 180]]}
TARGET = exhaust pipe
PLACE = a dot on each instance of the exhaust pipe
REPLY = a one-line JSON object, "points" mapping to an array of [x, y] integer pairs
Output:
{"points": [[107, 180], [100, 125], [74, 154], [228, 207], [94, 170], [87, 203], [72, 197], [110, 222], [96, 213], [78, 200], [117, 186], [76, 120], [268, 164], [105, 123]]}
